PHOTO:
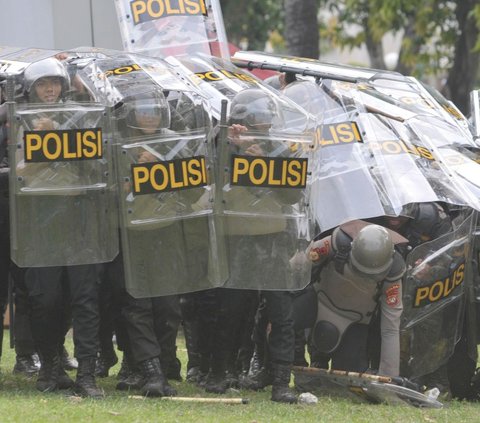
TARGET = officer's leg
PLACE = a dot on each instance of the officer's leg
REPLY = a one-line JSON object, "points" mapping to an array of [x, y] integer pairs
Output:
{"points": [[352, 354], [191, 330], [26, 361], [129, 375], [4, 250], [145, 347], [281, 343], [44, 287], [208, 304], [107, 357], [83, 287], [167, 319]]}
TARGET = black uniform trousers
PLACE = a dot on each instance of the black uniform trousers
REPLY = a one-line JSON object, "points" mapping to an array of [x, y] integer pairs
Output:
{"points": [[50, 290], [152, 326]]}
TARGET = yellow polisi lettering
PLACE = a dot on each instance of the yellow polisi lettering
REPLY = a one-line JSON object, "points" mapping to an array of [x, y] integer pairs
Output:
{"points": [[394, 147], [440, 289], [275, 172], [171, 175], [66, 145], [222, 74], [148, 10], [337, 134]]}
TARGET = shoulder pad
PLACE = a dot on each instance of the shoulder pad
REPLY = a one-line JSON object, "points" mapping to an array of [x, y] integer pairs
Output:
{"points": [[398, 268], [341, 241]]}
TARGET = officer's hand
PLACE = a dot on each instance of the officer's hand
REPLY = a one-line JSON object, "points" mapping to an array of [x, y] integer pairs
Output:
{"points": [[44, 124], [146, 157], [254, 150], [235, 130], [422, 271]]}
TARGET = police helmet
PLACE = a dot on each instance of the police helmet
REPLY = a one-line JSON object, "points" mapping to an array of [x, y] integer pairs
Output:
{"points": [[150, 105], [254, 108], [372, 250], [46, 68], [307, 95]]}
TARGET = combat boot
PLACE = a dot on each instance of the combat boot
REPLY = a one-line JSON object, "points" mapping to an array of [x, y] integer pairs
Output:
{"points": [[85, 384], [129, 377], [67, 362], [156, 385], [104, 363], [216, 382], [64, 381], [259, 376], [47, 380], [26, 365], [280, 389]]}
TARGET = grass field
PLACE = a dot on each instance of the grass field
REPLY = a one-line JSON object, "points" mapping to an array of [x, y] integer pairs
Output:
{"points": [[20, 402]]}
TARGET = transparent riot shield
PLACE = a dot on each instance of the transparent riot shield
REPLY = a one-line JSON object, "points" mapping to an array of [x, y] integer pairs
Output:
{"points": [[370, 164], [162, 28], [265, 211], [217, 78], [61, 196], [434, 300], [166, 198]]}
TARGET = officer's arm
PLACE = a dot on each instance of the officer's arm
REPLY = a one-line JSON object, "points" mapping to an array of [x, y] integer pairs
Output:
{"points": [[391, 307], [391, 311], [320, 251]]}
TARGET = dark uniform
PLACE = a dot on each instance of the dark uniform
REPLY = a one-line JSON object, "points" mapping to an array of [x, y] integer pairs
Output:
{"points": [[52, 289]]}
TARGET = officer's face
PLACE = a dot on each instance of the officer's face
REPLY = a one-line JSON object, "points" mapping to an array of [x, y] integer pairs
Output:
{"points": [[48, 89], [395, 223], [148, 119]]}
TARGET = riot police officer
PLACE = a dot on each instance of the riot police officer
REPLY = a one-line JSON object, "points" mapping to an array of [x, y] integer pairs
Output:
{"points": [[260, 243], [152, 322], [360, 271], [421, 223], [50, 289]]}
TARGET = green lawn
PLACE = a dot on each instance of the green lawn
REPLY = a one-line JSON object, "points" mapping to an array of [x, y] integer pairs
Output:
{"points": [[20, 402]]}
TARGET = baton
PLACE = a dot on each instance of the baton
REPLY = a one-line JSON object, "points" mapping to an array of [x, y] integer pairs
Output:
{"points": [[397, 380], [376, 378], [208, 400]]}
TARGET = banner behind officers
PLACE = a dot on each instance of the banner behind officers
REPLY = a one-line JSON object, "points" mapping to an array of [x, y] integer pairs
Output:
{"points": [[360, 273]]}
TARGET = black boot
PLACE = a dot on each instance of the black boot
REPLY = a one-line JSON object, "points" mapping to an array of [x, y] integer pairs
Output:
{"points": [[47, 380], [26, 365], [216, 382], [259, 376], [129, 377], [281, 379], [104, 363], [156, 385], [85, 385], [67, 362], [64, 381]]}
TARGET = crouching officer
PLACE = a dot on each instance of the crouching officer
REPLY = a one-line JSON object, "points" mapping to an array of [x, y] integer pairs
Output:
{"points": [[360, 275]]}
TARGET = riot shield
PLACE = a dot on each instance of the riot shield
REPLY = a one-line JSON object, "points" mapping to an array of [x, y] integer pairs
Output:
{"points": [[362, 387], [166, 198], [61, 193], [384, 140], [162, 28], [217, 79], [434, 300], [265, 211]]}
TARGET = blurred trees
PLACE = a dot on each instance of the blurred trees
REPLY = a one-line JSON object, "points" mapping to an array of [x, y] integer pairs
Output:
{"points": [[301, 28], [438, 37]]}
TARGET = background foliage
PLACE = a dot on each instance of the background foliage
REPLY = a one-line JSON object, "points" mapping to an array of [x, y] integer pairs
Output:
{"points": [[439, 38]]}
